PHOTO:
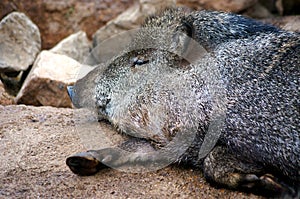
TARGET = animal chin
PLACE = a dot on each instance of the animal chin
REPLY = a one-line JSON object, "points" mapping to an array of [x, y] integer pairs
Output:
{"points": [[102, 114], [102, 109]]}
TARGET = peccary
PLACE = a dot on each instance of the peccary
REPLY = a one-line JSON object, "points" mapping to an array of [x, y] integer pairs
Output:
{"points": [[167, 98]]}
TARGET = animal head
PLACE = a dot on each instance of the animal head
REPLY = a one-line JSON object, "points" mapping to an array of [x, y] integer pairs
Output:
{"points": [[162, 47]]}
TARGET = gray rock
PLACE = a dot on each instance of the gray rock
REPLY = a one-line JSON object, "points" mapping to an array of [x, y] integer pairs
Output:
{"points": [[229, 5], [289, 23], [292, 23], [76, 46], [258, 11], [46, 83], [20, 42]]}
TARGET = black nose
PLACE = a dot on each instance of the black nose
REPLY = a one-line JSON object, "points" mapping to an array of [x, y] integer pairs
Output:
{"points": [[71, 92]]}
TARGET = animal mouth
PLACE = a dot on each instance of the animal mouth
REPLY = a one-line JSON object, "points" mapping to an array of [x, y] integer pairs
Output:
{"points": [[102, 109]]}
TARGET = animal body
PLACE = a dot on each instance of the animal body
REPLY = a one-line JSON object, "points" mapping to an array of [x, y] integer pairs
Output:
{"points": [[246, 74]]}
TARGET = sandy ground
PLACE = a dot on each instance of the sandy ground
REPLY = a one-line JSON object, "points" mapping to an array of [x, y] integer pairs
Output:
{"points": [[35, 141]]}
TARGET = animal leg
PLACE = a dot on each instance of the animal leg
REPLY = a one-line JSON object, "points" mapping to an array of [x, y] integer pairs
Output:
{"points": [[224, 168], [134, 152]]}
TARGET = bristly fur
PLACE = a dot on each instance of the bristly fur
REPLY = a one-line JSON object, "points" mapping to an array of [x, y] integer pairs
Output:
{"points": [[259, 65]]}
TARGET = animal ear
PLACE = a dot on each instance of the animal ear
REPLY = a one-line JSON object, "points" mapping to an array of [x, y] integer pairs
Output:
{"points": [[182, 36], [183, 43], [186, 27]]}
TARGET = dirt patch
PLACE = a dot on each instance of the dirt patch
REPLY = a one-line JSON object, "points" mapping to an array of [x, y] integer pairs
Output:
{"points": [[35, 141]]}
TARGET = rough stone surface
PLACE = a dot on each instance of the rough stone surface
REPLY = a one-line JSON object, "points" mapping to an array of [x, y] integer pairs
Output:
{"points": [[76, 46], [34, 142], [47, 81], [258, 11], [289, 23], [131, 18], [57, 19], [20, 42], [228, 5], [290, 7]]}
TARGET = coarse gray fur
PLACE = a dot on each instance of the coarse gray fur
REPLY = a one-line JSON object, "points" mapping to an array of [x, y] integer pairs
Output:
{"points": [[155, 95]]}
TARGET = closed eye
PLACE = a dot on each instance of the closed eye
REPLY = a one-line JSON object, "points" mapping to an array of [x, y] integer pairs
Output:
{"points": [[138, 61]]}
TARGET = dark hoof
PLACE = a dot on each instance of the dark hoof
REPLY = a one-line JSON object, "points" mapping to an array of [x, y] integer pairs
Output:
{"points": [[84, 164], [266, 185], [273, 185]]}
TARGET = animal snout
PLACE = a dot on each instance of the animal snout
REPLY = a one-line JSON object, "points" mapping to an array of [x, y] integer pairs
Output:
{"points": [[70, 90]]}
